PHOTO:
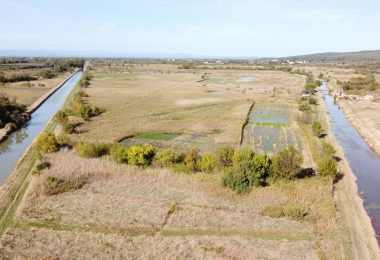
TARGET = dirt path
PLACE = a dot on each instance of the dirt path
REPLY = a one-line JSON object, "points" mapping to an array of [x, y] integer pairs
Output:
{"points": [[356, 234]]}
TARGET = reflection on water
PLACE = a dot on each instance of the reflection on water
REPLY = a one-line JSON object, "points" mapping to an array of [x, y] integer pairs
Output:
{"points": [[363, 161], [13, 147]]}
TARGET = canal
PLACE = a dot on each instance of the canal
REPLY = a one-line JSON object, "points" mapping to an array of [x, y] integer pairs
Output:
{"points": [[363, 161], [14, 146]]}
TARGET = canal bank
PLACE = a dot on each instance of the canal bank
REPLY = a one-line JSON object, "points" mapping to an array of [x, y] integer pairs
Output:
{"points": [[354, 222]]}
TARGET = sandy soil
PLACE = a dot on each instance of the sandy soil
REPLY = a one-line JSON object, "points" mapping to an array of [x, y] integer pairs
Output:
{"points": [[357, 236]]}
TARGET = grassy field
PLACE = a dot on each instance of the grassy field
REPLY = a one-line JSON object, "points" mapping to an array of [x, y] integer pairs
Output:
{"points": [[123, 205], [126, 212], [27, 95], [174, 103]]}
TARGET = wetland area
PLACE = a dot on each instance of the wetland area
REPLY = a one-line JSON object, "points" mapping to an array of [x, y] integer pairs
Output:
{"points": [[80, 203]]}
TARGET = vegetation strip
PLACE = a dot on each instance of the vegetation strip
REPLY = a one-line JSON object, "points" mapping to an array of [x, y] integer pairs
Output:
{"points": [[133, 231], [270, 235]]}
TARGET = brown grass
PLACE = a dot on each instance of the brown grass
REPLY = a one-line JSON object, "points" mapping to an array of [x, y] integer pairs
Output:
{"points": [[27, 95], [124, 197], [176, 102]]}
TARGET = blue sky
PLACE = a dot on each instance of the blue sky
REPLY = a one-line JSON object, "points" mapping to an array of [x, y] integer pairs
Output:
{"points": [[209, 27]]}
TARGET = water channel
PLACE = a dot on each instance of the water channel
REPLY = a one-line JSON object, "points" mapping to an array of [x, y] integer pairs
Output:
{"points": [[14, 146], [363, 161]]}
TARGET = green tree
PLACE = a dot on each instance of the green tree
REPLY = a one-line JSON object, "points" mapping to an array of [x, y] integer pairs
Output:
{"points": [[208, 162], [168, 157], [317, 128], [225, 156], [46, 142], [241, 155], [287, 162], [140, 154]]}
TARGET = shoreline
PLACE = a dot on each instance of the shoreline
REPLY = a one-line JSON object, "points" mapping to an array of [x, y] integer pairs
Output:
{"points": [[4, 132], [354, 224]]}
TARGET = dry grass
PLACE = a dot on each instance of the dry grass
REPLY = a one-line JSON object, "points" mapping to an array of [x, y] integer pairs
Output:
{"points": [[50, 244], [119, 197], [176, 102], [27, 95]]}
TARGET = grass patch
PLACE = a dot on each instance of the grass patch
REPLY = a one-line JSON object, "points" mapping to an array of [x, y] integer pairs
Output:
{"points": [[156, 136], [271, 235]]}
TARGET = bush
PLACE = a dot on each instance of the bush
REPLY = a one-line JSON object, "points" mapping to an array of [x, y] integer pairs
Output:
{"points": [[294, 211], [54, 186], [327, 150], [243, 176], [304, 107], [46, 142], [191, 157], [83, 111], [168, 157], [273, 212], [91, 150], [43, 165], [63, 140], [69, 128], [287, 162], [317, 128], [121, 154], [61, 117], [208, 162], [327, 166], [140, 154], [242, 155], [312, 101], [225, 156]]}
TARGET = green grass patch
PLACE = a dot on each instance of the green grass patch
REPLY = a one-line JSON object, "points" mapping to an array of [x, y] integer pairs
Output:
{"points": [[156, 136]]}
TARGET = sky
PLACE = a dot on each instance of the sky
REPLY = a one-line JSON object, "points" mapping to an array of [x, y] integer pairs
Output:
{"points": [[225, 28]]}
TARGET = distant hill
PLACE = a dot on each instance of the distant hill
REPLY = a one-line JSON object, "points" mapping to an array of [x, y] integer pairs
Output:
{"points": [[338, 56]]}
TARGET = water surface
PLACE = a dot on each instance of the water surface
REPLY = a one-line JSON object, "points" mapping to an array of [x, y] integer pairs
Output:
{"points": [[14, 146], [363, 161]]}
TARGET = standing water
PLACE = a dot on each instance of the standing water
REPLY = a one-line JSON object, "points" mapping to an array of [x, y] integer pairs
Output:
{"points": [[14, 146], [363, 161]]}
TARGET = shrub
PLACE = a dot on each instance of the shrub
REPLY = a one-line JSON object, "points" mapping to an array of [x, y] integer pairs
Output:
{"points": [[140, 154], [273, 212], [317, 128], [243, 176], [54, 186], [43, 165], [168, 157], [61, 117], [83, 111], [242, 155], [69, 128], [63, 140], [327, 150], [225, 156], [287, 162], [191, 156], [304, 107], [121, 154], [327, 166], [46, 142], [312, 101], [91, 150], [208, 162]]}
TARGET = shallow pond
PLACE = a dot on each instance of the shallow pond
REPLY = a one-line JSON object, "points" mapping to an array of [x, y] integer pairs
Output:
{"points": [[246, 79]]}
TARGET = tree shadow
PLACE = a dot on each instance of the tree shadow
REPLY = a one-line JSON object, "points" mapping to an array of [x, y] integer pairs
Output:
{"points": [[338, 177], [322, 135], [336, 158], [305, 173]]}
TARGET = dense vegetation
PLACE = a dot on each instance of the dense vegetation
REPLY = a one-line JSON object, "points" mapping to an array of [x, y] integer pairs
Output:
{"points": [[360, 83], [338, 56], [11, 112]]}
